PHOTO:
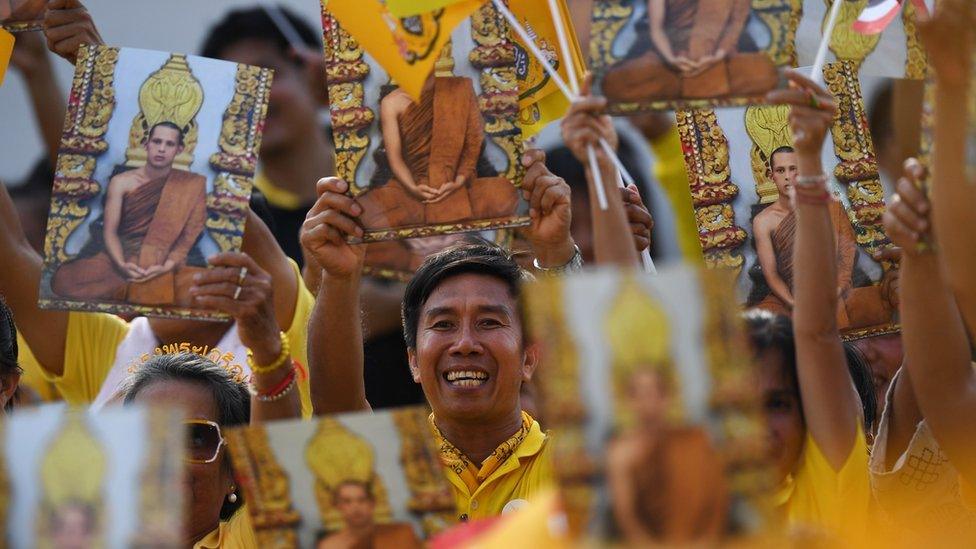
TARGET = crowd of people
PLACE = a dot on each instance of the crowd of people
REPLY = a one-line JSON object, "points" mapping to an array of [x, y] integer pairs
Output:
{"points": [[453, 338]]}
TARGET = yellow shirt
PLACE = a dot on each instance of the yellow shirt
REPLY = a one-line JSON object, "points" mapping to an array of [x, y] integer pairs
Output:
{"points": [[276, 196], [234, 533], [33, 376], [518, 469], [93, 339], [834, 502]]}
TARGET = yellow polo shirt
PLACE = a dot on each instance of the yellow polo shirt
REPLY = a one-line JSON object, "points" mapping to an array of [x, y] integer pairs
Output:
{"points": [[836, 503], [93, 339], [233, 533], [517, 470]]}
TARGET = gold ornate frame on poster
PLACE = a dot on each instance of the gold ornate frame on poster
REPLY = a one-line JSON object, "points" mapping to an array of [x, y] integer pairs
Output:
{"points": [[706, 152], [90, 108], [352, 120], [781, 18], [265, 486]]}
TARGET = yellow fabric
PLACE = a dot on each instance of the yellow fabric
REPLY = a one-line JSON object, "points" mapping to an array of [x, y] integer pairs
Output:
{"points": [[471, 474], [540, 99], [33, 376], [535, 525], [834, 502], [512, 472], [94, 337], [6, 48], [670, 172], [406, 57], [406, 8], [234, 533], [276, 196]]}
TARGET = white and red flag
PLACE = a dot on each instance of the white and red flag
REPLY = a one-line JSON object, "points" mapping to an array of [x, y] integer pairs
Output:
{"points": [[878, 14]]}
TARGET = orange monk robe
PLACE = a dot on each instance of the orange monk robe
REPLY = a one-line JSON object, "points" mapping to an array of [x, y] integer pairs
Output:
{"points": [[846, 246], [160, 221], [384, 536], [695, 29], [441, 139]]}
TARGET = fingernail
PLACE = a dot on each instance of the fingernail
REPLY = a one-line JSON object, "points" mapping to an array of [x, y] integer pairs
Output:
{"points": [[533, 212], [357, 209], [526, 160], [341, 185], [196, 278]]}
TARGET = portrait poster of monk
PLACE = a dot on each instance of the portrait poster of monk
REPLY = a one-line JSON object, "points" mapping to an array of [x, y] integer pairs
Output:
{"points": [[399, 259], [648, 382], [349, 480], [74, 478], [153, 178], [742, 169], [668, 54], [895, 53], [22, 15], [425, 153]]}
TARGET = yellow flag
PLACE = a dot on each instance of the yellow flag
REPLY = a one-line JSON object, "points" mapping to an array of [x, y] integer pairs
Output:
{"points": [[406, 8], [6, 48], [540, 99], [407, 48]]}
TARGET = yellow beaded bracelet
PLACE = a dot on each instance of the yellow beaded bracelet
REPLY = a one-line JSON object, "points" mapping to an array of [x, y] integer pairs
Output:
{"points": [[278, 363]]}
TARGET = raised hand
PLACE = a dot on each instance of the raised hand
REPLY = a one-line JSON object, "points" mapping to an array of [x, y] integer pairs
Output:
{"points": [[550, 211], [68, 25], [906, 220], [238, 286], [948, 36], [584, 125], [639, 217], [812, 111], [328, 225]]}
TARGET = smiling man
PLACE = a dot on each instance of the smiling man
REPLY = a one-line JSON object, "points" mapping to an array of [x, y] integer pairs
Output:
{"points": [[464, 338]]}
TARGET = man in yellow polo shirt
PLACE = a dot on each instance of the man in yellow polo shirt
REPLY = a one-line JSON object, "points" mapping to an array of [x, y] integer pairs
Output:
{"points": [[86, 355], [464, 336]]}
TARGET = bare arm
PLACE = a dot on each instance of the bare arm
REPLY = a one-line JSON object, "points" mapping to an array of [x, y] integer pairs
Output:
{"points": [[949, 40], [45, 331], [937, 355], [612, 243], [261, 246], [335, 337], [657, 10], [624, 495], [30, 57], [767, 260], [729, 41], [831, 406], [110, 222], [390, 110]]}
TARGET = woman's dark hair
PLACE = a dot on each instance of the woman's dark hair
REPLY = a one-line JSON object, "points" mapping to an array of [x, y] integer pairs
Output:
{"points": [[479, 257], [8, 345], [772, 332], [230, 396], [860, 372]]}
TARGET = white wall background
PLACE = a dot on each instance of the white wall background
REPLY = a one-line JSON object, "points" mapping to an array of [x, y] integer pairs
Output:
{"points": [[171, 26]]}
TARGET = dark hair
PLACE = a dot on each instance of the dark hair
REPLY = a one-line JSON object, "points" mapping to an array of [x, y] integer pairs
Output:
{"points": [[255, 24], [772, 155], [860, 372], [230, 396], [8, 345], [478, 257], [772, 332], [165, 124], [366, 486]]}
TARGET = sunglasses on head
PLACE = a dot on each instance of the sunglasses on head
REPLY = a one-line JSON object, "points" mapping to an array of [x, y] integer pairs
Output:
{"points": [[203, 441]]}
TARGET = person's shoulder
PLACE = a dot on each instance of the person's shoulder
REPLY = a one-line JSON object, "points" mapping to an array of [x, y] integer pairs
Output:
{"points": [[188, 176], [123, 179], [396, 98]]}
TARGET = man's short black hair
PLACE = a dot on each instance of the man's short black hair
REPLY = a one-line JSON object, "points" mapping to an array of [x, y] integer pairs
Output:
{"points": [[165, 124], [772, 156], [367, 488], [478, 257], [255, 24]]}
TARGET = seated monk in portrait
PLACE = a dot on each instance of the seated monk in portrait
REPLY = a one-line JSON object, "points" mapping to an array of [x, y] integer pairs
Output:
{"points": [[774, 230], [356, 503], [667, 482], [153, 216], [430, 172], [691, 49]]}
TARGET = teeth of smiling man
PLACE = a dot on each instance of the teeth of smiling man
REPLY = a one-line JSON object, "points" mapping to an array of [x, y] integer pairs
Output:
{"points": [[466, 378]]}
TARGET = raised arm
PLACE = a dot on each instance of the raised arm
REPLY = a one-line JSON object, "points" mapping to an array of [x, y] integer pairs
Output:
{"points": [[335, 335], [68, 25], [31, 59], [656, 15], [937, 354], [45, 331], [831, 407], [767, 260], [390, 109], [949, 38]]}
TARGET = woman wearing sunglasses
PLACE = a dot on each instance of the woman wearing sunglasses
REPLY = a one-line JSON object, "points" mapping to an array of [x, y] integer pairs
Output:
{"points": [[214, 401]]}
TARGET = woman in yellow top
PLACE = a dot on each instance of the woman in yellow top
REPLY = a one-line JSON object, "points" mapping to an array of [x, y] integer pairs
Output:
{"points": [[813, 411], [213, 400]]}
